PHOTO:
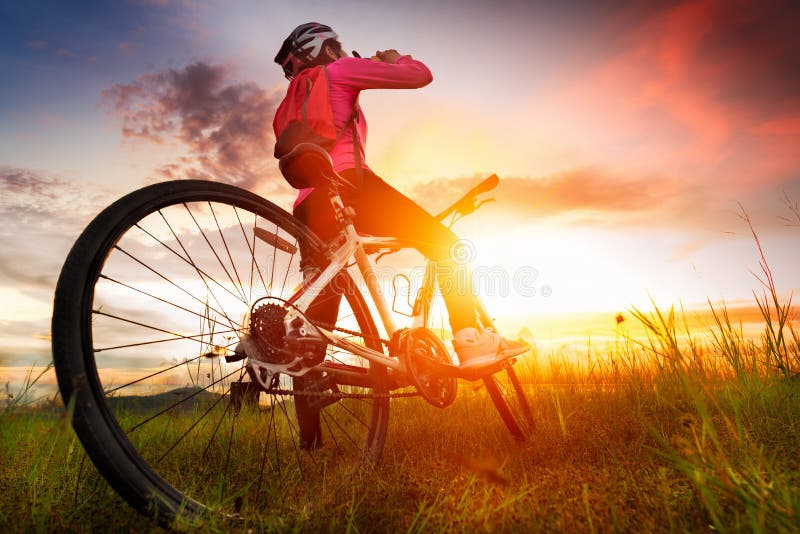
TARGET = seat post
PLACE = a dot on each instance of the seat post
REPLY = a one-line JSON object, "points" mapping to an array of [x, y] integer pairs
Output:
{"points": [[343, 215]]}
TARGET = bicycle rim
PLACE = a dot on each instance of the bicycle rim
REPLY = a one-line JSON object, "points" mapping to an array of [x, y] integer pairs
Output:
{"points": [[152, 297]]}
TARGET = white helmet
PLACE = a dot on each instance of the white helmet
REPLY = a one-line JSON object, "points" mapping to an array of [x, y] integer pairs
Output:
{"points": [[303, 46]]}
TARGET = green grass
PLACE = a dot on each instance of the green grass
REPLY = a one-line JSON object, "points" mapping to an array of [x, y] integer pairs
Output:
{"points": [[680, 436]]}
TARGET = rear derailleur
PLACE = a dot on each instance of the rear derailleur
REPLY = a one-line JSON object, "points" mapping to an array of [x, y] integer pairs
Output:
{"points": [[282, 341]]}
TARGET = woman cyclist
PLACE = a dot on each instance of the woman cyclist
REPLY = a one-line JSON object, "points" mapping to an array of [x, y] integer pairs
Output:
{"points": [[380, 209]]}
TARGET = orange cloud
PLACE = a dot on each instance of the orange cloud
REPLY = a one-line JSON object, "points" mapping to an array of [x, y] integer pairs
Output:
{"points": [[578, 194], [708, 87]]}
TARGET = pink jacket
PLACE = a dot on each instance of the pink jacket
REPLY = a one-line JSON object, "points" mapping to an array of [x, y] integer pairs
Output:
{"points": [[348, 76]]}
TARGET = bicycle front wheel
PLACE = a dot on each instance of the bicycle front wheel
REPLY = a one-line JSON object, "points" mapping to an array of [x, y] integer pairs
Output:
{"points": [[504, 387], [509, 397], [151, 299]]}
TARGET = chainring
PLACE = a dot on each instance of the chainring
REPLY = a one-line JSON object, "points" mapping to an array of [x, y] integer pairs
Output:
{"points": [[424, 355]]}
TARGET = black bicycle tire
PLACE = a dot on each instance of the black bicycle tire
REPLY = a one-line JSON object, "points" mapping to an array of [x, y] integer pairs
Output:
{"points": [[524, 403], [518, 425], [104, 441]]}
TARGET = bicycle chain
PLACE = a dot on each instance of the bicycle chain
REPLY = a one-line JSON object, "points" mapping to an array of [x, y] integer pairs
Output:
{"points": [[332, 327], [340, 395]]}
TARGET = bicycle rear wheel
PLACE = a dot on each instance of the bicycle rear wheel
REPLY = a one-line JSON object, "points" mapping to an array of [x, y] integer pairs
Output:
{"points": [[152, 297]]}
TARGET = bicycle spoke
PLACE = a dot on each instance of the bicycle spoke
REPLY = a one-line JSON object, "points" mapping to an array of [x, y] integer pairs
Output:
{"points": [[286, 274], [346, 434], [324, 419], [275, 435], [292, 434], [272, 271], [194, 424], [227, 250], [159, 299], [109, 391], [213, 435], [167, 340], [263, 460], [151, 327], [213, 250], [188, 260], [167, 279], [252, 248], [353, 415], [230, 440], [200, 273], [170, 407]]}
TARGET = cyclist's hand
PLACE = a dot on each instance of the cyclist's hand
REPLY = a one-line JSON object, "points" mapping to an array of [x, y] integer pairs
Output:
{"points": [[388, 56]]}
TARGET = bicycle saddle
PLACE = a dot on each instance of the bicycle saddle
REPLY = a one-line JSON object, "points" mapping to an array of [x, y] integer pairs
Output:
{"points": [[307, 165]]}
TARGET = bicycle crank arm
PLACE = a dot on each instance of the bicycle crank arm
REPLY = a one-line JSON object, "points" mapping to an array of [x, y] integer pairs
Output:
{"points": [[435, 368]]}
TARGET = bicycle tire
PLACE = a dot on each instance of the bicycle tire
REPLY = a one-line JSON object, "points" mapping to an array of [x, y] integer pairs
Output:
{"points": [[511, 402], [87, 297]]}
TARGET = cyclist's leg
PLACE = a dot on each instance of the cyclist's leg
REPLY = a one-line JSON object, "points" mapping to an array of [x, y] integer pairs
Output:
{"points": [[315, 212], [382, 210]]}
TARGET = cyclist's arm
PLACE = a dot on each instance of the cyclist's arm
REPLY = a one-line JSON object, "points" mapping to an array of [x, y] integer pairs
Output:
{"points": [[359, 73]]}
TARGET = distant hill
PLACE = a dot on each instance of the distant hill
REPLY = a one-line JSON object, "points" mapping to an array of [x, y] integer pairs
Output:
{"points": [[160, 401]]}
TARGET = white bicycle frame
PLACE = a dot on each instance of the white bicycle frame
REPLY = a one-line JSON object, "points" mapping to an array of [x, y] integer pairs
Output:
{"points": [[356, 247]]}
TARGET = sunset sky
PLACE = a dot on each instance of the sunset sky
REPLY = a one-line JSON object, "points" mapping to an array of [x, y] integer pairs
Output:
{"points": [[625, 135]]}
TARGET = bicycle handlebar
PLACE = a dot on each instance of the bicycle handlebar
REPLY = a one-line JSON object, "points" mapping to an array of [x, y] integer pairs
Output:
{"points": [[485, 186], [466, 204]]}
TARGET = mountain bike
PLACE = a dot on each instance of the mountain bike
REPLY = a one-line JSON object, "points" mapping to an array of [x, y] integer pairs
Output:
{"points": [[203, 285]]}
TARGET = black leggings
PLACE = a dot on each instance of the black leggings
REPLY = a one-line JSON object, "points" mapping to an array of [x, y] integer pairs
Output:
{"points": [[383, 211]]}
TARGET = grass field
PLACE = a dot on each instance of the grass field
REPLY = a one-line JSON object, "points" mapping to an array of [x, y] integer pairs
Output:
{"points": [[677, 431]]}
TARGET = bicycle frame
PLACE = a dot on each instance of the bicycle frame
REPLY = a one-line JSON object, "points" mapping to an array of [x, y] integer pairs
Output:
{"points": [[355, 246]]}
